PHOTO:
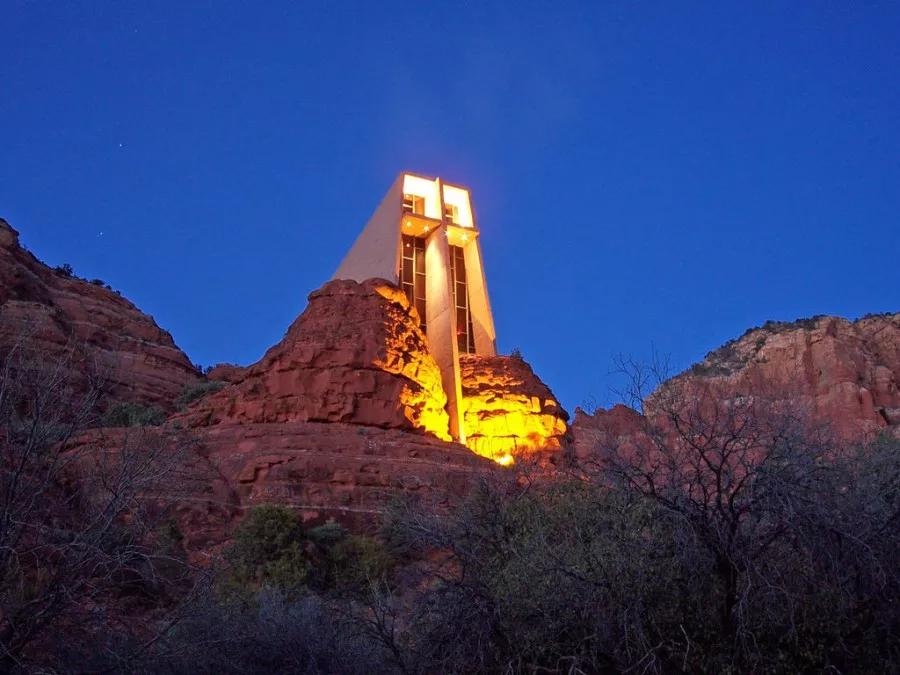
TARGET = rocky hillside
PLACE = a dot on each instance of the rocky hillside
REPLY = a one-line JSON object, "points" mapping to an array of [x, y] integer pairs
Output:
{"points": [[343, 414], [846, 373], [105, 333]]}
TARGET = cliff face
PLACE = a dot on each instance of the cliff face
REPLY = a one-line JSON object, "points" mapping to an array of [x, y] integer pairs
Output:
{"points": [[103, 331], [844, 373], [356, 355]]}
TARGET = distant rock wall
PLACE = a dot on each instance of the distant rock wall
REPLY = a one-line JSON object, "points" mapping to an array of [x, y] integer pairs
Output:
{"points": [[846, 372], [105, 332], [843, 373]]}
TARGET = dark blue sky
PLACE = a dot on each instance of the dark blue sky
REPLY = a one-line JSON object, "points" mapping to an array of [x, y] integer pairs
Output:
{"points": [[644, 174]]}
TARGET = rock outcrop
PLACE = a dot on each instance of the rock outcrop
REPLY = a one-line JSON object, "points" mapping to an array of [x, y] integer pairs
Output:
{"points": [[103, 332], [325, 471], [226, 372], [509, 413], [598, 429], [844, 373], [356, 356]]}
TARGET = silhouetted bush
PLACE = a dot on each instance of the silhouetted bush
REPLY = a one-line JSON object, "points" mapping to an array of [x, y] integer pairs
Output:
{"points": [[65, 270], [270, 634]]}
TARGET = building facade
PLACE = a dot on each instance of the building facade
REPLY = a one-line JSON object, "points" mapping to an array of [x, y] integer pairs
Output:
{"points": [[424, 238]]}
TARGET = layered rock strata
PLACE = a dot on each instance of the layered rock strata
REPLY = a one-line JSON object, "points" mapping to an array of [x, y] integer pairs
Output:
{"points": [[843, 373]]}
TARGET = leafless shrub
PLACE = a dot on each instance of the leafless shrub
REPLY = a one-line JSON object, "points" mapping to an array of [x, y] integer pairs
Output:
{"points": [[82, 551], [729, 533]]}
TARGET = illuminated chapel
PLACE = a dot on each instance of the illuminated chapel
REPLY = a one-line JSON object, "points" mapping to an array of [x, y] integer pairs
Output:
{"points": [[424, 238]]}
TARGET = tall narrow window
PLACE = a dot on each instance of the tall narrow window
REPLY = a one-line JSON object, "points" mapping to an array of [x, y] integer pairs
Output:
{"points": [[413, 204], [412, 274], [465, 336], [451, 212]]}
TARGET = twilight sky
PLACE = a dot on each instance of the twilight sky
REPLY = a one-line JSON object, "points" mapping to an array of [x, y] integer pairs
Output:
{"points": [[645, 174]]}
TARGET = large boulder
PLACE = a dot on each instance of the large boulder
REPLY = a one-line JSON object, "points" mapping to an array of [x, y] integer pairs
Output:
{"points": [[509, 413], [63, 317], [356, 356]]}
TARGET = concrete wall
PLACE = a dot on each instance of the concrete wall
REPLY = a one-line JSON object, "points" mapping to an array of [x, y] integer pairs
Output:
{"points": [[479, 304], [441, 323], [376, 251]]}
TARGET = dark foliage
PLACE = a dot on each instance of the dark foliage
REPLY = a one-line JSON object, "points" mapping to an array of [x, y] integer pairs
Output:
{"points": [[133, 415], [194, 392]]}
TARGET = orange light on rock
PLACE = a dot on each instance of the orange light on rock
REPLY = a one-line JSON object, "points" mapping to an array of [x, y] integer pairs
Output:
{"points": [[508, 412], [503, 460]]}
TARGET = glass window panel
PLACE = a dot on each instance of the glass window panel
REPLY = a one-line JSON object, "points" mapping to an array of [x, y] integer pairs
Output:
{"points": [[420, 262], [460, 295], [420, 307], [407, 269], [461, 320]]}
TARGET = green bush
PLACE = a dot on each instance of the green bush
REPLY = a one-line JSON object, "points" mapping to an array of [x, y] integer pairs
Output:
{"points": [[194, 392], [327, 535], [269, 549], [358, 563], [129, 414]]}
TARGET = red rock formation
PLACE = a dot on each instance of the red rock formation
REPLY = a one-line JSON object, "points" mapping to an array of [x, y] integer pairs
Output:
{"points": [[139, 360], [225, 372], [602, 426], [845, 373], [337, 471], [325, 471], [508, 411], [356, 355]]}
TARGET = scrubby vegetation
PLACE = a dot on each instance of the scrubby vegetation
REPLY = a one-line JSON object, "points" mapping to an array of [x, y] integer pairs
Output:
{"points": [[271, 549], [194, 392], [725, 537], [133, 415]]}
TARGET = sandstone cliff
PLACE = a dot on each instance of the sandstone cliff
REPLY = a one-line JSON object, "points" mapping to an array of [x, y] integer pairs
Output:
{"points": [[356, 355], [105, 332], [845, 373]]}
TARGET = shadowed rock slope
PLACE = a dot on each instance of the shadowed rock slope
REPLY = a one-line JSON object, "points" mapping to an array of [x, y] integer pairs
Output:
{"points": [[104, 333]]}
